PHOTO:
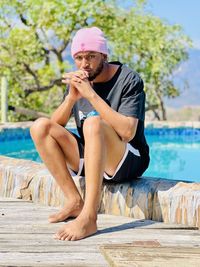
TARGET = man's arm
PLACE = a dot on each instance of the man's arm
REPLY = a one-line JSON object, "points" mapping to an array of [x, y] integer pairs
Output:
{"points": [[124, 126], [62, 114]]}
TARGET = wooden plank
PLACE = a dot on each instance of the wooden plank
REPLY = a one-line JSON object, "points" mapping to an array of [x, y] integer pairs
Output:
{"points": [[26, 237], [51, 259], [43, 212], [126, 255], [9, 199]]}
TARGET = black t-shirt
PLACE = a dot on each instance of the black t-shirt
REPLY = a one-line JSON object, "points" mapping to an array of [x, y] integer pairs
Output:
{"points": [[124, 93]]}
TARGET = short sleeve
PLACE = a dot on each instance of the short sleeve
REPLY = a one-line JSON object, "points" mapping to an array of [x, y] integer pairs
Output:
{"points": [[133, 98]]}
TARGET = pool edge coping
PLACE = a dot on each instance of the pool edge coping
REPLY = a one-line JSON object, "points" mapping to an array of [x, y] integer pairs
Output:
{"points": [[148, 124], [158, 199]]}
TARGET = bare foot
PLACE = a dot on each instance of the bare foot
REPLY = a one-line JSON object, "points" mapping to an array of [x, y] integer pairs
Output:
{"points": [[72, 209], [80, 228]]}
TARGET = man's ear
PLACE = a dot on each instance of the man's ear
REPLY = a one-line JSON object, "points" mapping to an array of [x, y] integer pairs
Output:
{"points": [[105, 57]]}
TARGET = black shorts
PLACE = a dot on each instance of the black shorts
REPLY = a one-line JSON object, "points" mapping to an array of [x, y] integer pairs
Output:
{"points": [[129, 168]]}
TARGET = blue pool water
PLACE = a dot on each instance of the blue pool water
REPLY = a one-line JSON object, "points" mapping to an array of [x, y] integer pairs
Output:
{"points": [[175, 153]]}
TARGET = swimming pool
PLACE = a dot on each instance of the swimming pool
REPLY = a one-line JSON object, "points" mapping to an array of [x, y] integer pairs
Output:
{"points": [[175, 152]]}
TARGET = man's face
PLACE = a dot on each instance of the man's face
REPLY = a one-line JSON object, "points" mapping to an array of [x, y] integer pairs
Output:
{"points": [[92, 62]]}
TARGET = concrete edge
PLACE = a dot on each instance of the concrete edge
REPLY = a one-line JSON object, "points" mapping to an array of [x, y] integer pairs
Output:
{"points": [[148, 124], [145, 198]]}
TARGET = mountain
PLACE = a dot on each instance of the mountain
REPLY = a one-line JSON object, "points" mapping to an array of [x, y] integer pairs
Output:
{"points": [[188, 72]]}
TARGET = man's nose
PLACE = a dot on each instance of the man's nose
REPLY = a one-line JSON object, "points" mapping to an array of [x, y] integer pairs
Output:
{"points": [[85, 63]]}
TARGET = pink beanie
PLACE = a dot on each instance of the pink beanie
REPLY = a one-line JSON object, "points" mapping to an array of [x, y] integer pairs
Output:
{"points": [[89, 39]]}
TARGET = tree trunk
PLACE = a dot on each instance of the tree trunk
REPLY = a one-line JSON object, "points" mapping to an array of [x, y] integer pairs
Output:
{"points": [[156, 115], [163, 110]]}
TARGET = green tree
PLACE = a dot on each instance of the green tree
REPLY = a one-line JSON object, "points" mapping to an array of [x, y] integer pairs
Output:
{"points": [[154, 49], [34, 41], [34, 48]]}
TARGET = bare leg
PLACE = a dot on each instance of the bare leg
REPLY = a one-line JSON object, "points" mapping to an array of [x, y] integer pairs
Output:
{"points": [[103, 151], [55, 146]]}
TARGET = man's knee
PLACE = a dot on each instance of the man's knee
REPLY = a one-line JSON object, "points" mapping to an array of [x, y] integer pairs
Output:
{"points": [[40, 128], [93, 126]]}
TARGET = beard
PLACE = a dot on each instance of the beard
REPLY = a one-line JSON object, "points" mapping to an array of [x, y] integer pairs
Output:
{"points": [[94, 74]]}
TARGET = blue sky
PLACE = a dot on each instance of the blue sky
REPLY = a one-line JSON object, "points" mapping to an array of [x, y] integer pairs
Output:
{"points": [[183, 12], [187, 14]]}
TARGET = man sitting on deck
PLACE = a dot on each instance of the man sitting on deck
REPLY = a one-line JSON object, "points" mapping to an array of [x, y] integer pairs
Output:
{"points": [[108, 103]]}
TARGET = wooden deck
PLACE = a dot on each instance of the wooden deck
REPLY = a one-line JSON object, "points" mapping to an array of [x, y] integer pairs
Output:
{"points": [[26, 239]]}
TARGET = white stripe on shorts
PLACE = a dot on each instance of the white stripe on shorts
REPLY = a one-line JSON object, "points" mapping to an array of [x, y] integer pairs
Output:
{"points": [[128, 148], [81, 163]]}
